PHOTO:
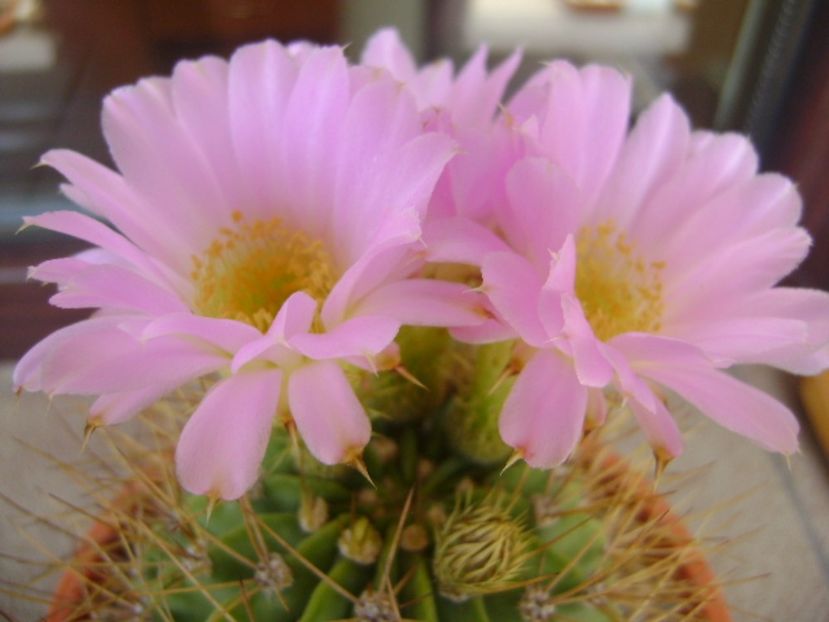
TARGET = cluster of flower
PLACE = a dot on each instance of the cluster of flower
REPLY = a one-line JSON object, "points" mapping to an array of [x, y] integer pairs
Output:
{"points": [[279, 216]]}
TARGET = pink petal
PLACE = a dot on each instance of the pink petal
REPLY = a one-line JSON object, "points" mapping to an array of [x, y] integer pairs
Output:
{"points": [[753, 207], [87, 285], [433, 84], [295, 317], [646, 350], [310, 134], [106, 194], [467, 92], [742, 268], [581, 132], [96, 356], [513, 286], [628, 383], [404, 187], [113, 408], [725, 160], [260, 79], [330, 420], [807, 356], [227, 335], [742, 340], [592, 368], [596, 411], [459, 240], [560, 282], [365, 335], [386, 49], [200, 92], [734, 405], [160, 162], [659, 427], [385, 262], [425, 302], [476, 94], [430, 85], [224, 441], [544, 208], [655, 148], [381, 117], [473, 183], [489, 331], [28, 374], [562, 275], [543, 416], [85, 228]]}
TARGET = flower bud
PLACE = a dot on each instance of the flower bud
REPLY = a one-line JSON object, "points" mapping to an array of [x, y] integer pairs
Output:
{"points": [[480, 549]]}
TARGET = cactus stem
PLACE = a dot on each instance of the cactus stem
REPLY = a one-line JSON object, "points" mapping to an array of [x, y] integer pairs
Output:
{"points": [[172, 556]]}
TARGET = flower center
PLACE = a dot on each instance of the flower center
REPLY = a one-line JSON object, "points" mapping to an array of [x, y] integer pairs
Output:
{"points": [[250, 270], [619, 291]]}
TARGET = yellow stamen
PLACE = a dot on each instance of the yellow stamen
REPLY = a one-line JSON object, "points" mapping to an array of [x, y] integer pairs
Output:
{"points": [[619, 291], [251, 269]]}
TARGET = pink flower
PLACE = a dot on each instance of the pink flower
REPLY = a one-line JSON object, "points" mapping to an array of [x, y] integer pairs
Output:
{"points": [[471, 192], [467, 100], [462, 106], [267, 217], [642, 262]]}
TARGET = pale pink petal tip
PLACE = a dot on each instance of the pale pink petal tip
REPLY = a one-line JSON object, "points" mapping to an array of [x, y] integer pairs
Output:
{"points": [[224, 441], [543, 417], [734, 405], [327, 414]]}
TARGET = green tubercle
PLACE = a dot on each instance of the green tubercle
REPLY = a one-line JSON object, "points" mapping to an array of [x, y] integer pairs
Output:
{"points": [[471, 420]]}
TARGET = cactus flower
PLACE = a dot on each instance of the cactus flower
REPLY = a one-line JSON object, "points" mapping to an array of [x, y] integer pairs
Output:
{"points": [[642, 262], [266, 217]]}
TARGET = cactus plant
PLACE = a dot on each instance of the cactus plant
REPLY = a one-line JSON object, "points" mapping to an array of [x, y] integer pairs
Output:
{"points": [[430, 531]]}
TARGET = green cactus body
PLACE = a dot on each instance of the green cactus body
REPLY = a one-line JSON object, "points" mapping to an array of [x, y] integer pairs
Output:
{"points": [[313, 543]]}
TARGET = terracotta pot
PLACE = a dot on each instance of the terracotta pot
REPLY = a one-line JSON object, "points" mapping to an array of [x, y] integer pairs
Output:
{"points": [[697, 571], [71, 589]]}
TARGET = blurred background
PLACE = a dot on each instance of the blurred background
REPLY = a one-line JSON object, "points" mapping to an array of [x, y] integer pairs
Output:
{"points": [[757, 66]]}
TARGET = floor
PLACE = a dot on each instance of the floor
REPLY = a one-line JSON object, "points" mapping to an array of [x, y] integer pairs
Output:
{"points": [[774, 517]]}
